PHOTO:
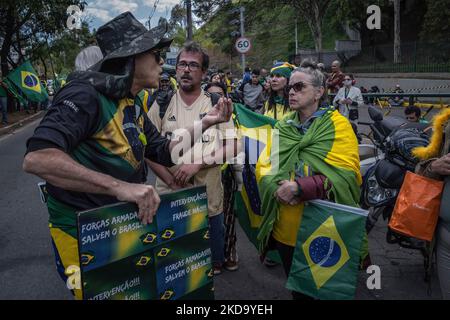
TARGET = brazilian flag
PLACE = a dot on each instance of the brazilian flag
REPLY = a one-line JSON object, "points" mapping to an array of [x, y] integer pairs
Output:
{"points": [[14, 92], [326, 258], [255, 130], [25, 78]]}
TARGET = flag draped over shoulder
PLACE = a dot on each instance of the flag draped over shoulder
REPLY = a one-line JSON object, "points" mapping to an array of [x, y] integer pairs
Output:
{"points": [[25, 78], [255, 131], [326, 257], [329, 147]]}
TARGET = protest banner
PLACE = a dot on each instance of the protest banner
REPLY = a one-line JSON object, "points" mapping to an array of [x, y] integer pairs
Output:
{"points": [[120, 258]]}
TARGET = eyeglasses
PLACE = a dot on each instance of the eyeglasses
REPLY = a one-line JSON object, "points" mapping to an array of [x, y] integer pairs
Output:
{"points": [[298, 86], [193, 66]]}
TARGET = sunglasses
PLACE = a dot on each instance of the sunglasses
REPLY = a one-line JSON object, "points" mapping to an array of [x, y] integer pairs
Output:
{"points": [[298, 86], [157, 54]]}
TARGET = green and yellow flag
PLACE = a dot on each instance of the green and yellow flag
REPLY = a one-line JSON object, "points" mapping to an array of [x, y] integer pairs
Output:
{"points": [[326, 257], [329, 245], [25, 78], [328, 147], [255, 131], [14, 92]]}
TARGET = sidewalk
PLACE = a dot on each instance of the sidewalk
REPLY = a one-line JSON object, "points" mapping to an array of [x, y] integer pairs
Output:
{"points": [[18, 119]]}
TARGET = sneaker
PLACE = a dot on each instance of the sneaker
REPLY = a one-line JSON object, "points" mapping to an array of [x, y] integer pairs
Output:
{"points": [[231, 265], [270, 263]]}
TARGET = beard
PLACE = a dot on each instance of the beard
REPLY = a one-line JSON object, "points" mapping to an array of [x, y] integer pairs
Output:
{"points": [[187, 87]]}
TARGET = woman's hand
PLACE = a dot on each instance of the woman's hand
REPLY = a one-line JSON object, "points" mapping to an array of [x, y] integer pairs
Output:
{"points": [[287, 193], [441, 166]]}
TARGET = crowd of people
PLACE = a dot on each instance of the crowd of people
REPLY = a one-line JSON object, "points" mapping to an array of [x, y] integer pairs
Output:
{"points": [[84, 174]]}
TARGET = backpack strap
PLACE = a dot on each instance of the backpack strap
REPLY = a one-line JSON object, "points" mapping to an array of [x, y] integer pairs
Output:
{"points": [[163, 99]]}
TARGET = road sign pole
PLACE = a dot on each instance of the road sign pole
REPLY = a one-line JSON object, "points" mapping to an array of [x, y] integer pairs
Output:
{"points": [[241, 10]]}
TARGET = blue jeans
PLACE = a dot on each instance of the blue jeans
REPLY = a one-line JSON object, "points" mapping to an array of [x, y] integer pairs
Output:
{"points": [[4, 109], [217, 236]]}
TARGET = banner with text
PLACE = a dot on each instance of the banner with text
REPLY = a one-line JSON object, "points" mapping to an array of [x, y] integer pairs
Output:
{"points": [[169, 259]]}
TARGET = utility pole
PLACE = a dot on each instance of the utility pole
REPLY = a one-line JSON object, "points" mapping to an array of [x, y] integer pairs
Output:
{"points": [[397, 41], [242, 10], [155, 5], [189, 19], [296, 37]]}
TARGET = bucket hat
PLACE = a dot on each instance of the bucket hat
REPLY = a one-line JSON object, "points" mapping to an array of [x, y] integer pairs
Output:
{"points": [[125, 36]]}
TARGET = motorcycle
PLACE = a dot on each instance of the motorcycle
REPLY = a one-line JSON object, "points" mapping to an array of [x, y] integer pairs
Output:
{"points": [[383, 179]]}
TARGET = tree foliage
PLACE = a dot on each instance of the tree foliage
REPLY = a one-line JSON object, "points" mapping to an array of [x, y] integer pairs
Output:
{"points": [[27, 25], [436, 26]]}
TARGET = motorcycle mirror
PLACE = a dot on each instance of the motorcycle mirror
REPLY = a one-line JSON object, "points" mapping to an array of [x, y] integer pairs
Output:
{"points": [[375, 114]]}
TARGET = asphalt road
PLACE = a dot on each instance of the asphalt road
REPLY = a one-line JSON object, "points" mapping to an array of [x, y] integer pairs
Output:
{"points": [[27, 269]]}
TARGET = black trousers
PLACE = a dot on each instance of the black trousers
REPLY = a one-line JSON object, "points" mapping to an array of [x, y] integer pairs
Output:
{"points": [[287, 253]]}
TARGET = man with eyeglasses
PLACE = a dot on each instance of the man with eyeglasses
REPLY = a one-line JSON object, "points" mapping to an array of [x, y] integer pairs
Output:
{"points": [[189, 104], [91, 145]]}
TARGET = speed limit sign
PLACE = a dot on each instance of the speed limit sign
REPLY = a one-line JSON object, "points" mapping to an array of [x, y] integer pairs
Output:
{"points": [[243, 45]]}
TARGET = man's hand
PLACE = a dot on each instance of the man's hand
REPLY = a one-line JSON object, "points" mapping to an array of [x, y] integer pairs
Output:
{"points": [[174, 186], [287, 192], [185, 173], [221, 112], [441, 166], [145, 196]]}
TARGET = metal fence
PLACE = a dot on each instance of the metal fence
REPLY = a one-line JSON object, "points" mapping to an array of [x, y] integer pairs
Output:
{"points": [[416, 57]]}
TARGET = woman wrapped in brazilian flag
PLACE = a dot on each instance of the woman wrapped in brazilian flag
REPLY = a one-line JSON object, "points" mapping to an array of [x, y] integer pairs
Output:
{"points": [[317, 159]]}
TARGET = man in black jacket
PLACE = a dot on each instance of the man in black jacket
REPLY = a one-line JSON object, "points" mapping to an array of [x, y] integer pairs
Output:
{"points": [[92, 144]]}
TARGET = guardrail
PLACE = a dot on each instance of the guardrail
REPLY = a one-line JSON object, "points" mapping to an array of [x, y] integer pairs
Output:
{"points": [[411, 96]]}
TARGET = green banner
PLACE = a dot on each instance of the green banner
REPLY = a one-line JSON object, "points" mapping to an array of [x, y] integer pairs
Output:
{"points": [[329, 245], [168, 259], [26, 79]]}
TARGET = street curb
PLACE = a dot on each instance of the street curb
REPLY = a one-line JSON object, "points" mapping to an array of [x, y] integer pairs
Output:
{"points": [[21, 123]]}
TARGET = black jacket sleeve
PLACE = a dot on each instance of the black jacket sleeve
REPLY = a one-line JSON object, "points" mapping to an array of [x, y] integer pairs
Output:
{"points": [[72, 118], [157, 148]]}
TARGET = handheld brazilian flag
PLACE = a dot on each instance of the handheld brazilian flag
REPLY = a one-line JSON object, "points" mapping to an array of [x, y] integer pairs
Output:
{"points": [[14, 92], [326, 257], [255, 131], [25, 78]]}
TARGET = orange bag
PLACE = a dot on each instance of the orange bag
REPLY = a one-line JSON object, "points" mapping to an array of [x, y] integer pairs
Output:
{"points": [[416, 211]]}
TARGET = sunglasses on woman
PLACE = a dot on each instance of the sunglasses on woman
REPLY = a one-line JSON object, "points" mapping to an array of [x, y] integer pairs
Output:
{"points": [[298, 86]]}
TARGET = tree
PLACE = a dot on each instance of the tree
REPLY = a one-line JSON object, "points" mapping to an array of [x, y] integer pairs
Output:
{"points": [[313, 11], [436, 26], [206, 9], [177, 17], [26, 25]]}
